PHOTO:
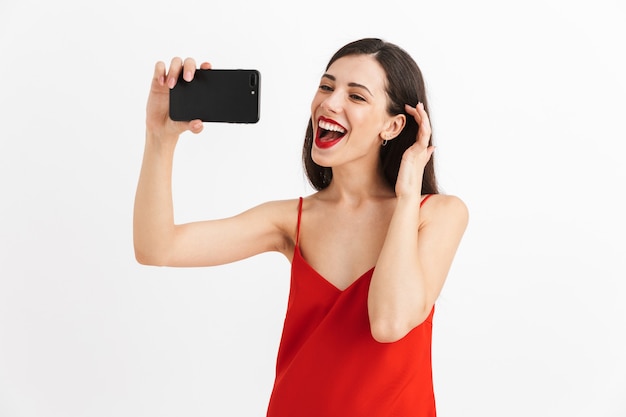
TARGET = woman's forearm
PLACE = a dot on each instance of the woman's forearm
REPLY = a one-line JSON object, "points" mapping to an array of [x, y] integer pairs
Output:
{"points": [[153, 219], [397, 295]]}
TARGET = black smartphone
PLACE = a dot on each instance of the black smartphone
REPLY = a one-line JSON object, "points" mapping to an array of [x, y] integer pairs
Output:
{"points": [[217, 95]]}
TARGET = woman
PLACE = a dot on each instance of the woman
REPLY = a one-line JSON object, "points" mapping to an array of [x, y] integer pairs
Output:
{"points": [[370, 249]]}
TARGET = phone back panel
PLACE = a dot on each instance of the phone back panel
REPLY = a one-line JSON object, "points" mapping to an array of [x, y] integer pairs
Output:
{"points": [[217, 95]]}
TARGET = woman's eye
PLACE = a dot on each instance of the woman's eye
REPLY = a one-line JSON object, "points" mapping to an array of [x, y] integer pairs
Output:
{"points": [[325, 87], [357, 97]]}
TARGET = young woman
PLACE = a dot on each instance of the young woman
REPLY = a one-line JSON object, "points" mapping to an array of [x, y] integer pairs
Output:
{"points": [[370, 249]]}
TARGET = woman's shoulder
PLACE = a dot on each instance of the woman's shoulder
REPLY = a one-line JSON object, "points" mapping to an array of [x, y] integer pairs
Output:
{"points": [[445, 206], [280, 212], [445, 199], [281, 216], [278, 208], [289, 203]]}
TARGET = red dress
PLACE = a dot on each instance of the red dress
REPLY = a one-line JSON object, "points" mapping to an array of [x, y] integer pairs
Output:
{"points": [[328, 363]]}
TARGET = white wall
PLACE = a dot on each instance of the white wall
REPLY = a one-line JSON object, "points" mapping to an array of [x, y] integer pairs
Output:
{"points": [[528, 111]]}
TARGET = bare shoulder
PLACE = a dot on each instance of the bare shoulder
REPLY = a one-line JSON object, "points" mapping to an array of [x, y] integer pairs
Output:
{"points": [[282, 215], [279, 208], [278, 212], [445, 208]]}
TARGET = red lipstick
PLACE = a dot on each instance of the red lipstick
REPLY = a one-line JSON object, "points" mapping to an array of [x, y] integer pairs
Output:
{"points": [[328, 133]]}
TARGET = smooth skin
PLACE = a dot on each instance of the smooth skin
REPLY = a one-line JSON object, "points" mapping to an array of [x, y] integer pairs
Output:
{"points": [[356, 223]]}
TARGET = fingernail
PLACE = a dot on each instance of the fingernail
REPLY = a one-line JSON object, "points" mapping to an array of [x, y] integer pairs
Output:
{"points": [[188, 76], [171, 82]]}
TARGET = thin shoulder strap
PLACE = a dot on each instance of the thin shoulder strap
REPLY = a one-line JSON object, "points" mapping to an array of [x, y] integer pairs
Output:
{"points": [[424, 199], [299, 216]]}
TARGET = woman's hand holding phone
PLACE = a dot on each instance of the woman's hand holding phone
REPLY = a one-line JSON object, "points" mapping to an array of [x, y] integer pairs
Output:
{"points": [[158, 121]]}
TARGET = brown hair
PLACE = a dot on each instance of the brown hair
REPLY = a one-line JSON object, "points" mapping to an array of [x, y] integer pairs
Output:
{"points": [[404, 85]]}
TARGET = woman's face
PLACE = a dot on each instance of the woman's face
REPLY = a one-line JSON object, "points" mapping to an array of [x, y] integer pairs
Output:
{"points": [[349, 111]]}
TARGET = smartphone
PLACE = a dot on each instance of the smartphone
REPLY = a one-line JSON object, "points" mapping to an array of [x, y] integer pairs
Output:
{"points": [[217, 95]]}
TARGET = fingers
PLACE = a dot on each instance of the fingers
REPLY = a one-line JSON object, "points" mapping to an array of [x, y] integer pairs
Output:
{"points": [[189, 69], [195, 126], [159, 73], [421, 117], [174, 71], [178, 66], [411, 110], [418, 112], [430, 151]]}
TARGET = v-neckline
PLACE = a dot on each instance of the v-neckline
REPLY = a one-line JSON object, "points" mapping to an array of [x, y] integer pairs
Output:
{"points": [[298, 253]]}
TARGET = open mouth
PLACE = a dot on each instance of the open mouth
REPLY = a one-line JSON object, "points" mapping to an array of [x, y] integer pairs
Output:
{"points": [[328, 133]]}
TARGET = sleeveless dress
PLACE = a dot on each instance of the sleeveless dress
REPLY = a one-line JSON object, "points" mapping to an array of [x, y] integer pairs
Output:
{"points": [[328, 363]]}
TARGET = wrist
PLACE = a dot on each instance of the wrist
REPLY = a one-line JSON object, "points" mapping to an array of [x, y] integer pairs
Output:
{"points": [[410, 200], [406, 209], [160, 140], [159, 151]]}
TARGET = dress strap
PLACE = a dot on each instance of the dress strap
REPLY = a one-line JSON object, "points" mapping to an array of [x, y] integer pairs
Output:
{"points": [[424, 199], [299, 216]]}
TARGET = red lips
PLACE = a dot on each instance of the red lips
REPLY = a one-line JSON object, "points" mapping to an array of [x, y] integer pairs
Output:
{"points": [[328, 133]]}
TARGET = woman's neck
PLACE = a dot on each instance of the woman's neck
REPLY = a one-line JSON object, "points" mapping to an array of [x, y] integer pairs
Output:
{"points": [[353, 184]]}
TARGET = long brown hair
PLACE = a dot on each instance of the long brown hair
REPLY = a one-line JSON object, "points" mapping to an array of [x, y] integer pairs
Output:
{"points": [[405, 85]]}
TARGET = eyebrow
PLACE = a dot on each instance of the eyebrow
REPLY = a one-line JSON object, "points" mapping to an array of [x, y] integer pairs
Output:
{"points": [[332, 78]]}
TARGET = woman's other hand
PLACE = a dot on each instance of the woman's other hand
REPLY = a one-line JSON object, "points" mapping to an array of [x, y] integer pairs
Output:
{"points": [[415, 158]]}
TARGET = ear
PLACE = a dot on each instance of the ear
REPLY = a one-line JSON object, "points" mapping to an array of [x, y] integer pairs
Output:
{"points": [[393, 127]]}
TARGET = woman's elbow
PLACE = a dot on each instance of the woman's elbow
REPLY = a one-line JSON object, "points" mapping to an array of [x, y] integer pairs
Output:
{"points": [[390, 331], [148, 258]]}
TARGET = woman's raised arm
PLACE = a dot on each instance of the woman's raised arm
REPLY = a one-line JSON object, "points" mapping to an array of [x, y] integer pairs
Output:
{"points": [[157, 240]]}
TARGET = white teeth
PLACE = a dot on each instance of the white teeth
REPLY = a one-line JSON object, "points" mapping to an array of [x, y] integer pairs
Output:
{"points": [[331, 126]]}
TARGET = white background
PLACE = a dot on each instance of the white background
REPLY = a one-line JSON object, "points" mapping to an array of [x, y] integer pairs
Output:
{"points": [[528, 112]]}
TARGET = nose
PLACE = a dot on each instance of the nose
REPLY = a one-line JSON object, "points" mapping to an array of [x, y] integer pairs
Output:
{"points": [[332, 102]]}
